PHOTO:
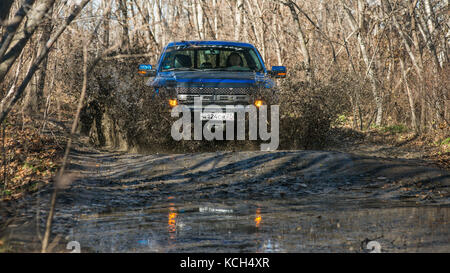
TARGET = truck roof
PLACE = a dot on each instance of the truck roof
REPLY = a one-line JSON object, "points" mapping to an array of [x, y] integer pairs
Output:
{"points": [[219, 43]]}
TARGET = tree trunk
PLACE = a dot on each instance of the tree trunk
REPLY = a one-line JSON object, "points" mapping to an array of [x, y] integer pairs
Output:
{"points": [[146, 17], [215, 20], [370, 70], [277, 40], [6, 106], [45, 36], [14, 24], [5, 7], [412, 108], [106, 25], [124, 22], [201, 29], [430, 15], [427, 29], [21, 38], [238, 19], [302, 41]]}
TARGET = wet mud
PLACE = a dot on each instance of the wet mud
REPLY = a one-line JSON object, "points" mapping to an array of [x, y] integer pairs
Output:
{"points": [[283, 201]]}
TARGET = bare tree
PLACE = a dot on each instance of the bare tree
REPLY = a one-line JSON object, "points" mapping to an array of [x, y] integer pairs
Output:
{"points": [[5, 7], [21, 38], [356, 27], [124, 22], [301, 40], [6, 106]]}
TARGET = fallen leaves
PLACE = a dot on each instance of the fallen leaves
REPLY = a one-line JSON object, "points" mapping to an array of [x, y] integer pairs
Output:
{"points": [[30, 159]]}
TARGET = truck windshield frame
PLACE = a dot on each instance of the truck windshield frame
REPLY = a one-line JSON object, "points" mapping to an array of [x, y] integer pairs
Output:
{"points": [[210, 58]]}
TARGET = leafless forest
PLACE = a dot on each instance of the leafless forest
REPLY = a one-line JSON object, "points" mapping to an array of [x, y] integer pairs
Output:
{"points": [[366, 63], [68, 73]]}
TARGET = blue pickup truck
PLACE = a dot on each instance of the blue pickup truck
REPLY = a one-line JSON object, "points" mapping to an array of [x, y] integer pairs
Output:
{"points": [[219, 72]]}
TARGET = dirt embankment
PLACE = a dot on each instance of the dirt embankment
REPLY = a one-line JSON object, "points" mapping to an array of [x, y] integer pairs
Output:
{"points": [[430, 149]]}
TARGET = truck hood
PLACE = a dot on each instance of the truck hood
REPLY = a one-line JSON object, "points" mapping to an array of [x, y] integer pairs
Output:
{"points": [[215, 79]]}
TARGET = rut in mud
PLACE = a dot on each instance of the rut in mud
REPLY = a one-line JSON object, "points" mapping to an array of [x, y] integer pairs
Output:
{"points": [[283, 201]]}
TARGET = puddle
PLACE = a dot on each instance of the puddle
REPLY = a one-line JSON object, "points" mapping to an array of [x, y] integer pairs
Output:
{"points": [[291, 201], [268, 230]]}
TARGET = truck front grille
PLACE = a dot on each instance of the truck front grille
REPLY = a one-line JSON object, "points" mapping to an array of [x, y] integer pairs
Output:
{"points": [[215, 90], [214, 98]]}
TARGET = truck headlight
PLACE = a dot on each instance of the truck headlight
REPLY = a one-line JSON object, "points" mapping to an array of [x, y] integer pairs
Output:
{"points": [[173, 102], [258, 103]]}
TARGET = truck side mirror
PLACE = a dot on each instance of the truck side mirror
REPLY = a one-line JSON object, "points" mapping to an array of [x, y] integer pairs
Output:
{"points": [[278, 71], [146, 70]]}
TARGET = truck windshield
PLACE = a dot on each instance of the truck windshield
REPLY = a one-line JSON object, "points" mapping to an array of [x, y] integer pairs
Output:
{"points": [[226, 58]]}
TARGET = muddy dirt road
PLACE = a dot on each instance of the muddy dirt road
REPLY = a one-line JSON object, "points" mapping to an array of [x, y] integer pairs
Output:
{"points": [[283, 201]]}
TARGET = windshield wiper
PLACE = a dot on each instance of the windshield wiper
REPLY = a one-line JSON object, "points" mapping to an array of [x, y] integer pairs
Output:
{"points": [[231, 70], [214, 69], [182, 69]]}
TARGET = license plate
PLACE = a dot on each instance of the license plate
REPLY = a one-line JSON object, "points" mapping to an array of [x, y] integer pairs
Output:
{"points": [[217, 116]]}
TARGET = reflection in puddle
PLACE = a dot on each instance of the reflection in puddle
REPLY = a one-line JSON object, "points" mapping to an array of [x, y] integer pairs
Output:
{"points": [[269, 247], [215, 210], [172, 221], [258, 218]]}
